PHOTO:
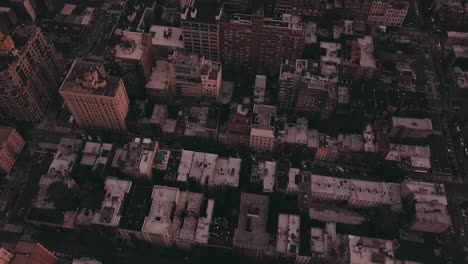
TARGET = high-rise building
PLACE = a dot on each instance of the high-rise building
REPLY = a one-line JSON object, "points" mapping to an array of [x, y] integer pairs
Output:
{"points": [[95, 99], [30, 71], [8, 20], [33, 253], [356, 9], [250, 42], [200, 27], [134, 55], [262, 134], [301, 7], [388, 12], [289, 82], [11, 145]]}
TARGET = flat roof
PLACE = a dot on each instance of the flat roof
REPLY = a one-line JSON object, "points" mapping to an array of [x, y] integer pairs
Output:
{"points": [[251, 229], [269, 176], [131, 45], [166, 36], [263, 116], [366, 45], [424, 192], [287, 238], [336, 215], [184, 225], [413, 123], [209, 168], [160, 78], [262, 132], [370, 250], [377, 192], [137, 208], [332, 52], [203, 226], [198, 163], [185, 165], [88, 77], [293, 175], [159, 220], [116, 189], [226, 172]]}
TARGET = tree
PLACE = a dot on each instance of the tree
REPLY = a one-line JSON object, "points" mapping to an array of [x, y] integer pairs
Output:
{"points": [[63, 197]]}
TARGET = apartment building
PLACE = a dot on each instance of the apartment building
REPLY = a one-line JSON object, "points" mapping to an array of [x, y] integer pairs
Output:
{"points": [[262, 136], [109, 214], [388, 12], [134, 56], [30, 72], [288, 237], [250, 42], [95, 99], [157, 225], [200, 21], [404, 128], [11, 145], [358, 59]]}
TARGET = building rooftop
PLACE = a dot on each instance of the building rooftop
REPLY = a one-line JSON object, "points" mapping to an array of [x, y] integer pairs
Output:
{"points": [[160, 217], [159, 115], [160, 78], [265, 172], [202, 11], [418, 156], [136, 208], [370, 250], [293, 179], [131, 46], [287, 237], [366, 46], [425, 192], [322, 240], [297, 133], [75, 14], [251, 229], [226, 172], [13, 46], [336, 215], [384, 193], [412, 123], [162, 159], [185, 165], [137, 157], [331, 52], [88, 77], [209, 166], [204, 222], [210, 70], [116, 190], [264, 117], [166, 36], [343, 95], [186, 215]]}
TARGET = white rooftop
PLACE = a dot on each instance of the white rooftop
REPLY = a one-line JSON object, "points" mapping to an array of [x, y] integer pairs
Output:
{"points": [[293, 176], [384, 193], [209, 168], [425, 192], [131, 46], [203, 226], [287, 237], [160, 77], [167, 36], [109, 214], [226, 172], [419, 156], [185, 165], [159, 221], [269, 175]]}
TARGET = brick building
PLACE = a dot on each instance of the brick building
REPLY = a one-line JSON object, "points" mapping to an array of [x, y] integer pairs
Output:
{"points": [[30, 71], [95, 99], [11, 145]]}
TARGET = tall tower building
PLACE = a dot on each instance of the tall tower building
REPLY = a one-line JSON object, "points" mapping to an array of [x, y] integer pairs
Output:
{"points": [[134, 55], [200, 27], [30, 71], [95, 99]]}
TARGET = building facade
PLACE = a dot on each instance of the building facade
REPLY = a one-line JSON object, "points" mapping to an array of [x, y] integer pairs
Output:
{"points": [[30, 71], [11, 145], [388, 13]]}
